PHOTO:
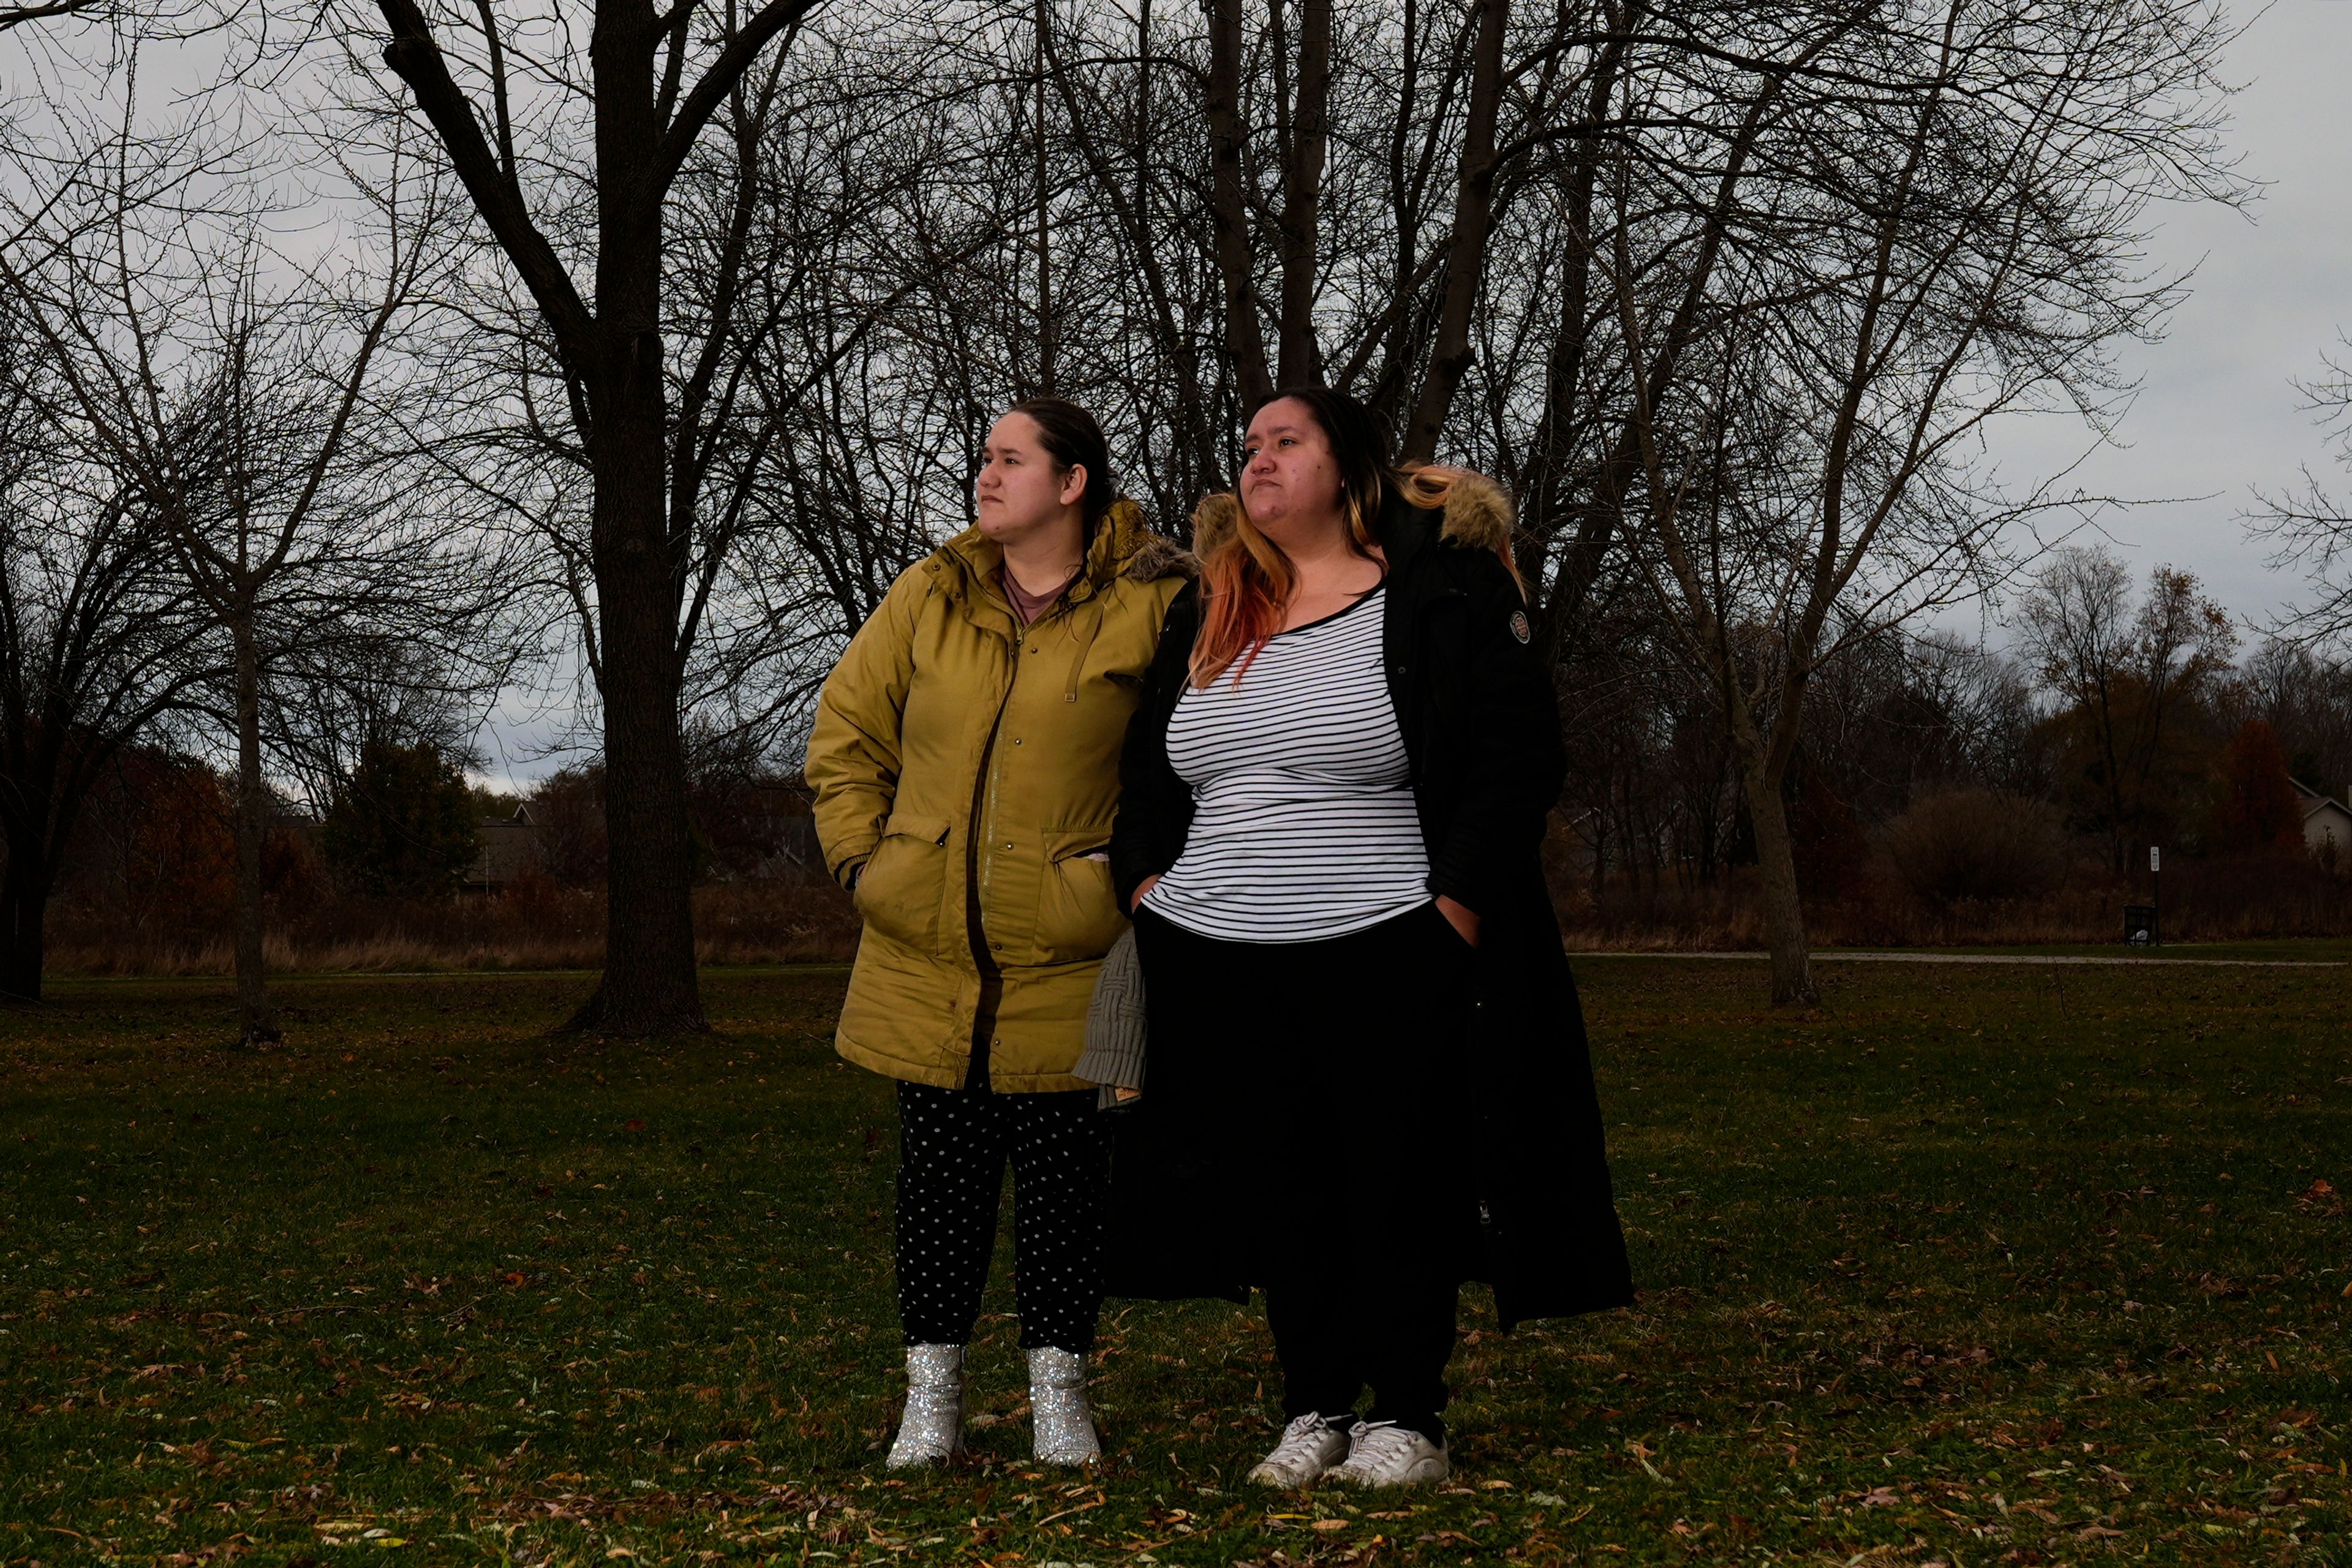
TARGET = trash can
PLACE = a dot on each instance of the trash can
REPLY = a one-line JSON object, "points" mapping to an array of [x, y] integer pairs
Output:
{"points": [[2139, 924]]}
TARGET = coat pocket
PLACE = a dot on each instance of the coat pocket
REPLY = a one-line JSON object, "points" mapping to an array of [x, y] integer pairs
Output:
{"points": [[1078, 908], [905, 881]]}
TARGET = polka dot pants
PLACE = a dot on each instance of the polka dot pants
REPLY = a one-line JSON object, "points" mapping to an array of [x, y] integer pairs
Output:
{"points": [[953, 1148]]}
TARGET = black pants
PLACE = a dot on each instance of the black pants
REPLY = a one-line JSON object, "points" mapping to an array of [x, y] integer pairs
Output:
{"points": [[1336, 1114], [953, 1144]]}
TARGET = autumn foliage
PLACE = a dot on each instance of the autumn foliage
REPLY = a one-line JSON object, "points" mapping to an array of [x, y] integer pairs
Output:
{"points": [[2256, 807]]}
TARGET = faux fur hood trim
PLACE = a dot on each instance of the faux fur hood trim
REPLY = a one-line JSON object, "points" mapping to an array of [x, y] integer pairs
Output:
{"points": [[1128, 549], [1124, 546], [1478, 515], [1159, 556]]}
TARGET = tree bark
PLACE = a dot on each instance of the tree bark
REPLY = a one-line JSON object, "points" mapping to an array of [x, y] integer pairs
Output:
{"points": [[1223, 108], [1465, 250], [1564, 382], [1784, 913], [1301, 357], [649, 986], [257, 1020]]}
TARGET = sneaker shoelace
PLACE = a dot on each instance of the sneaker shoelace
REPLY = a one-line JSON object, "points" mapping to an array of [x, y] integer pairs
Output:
{"points": [[1296, 1437], [1381, 1442]]}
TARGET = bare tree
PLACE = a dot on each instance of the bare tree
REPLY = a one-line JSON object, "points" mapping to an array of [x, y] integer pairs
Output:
{"points": [[230, 393], [2306, 698], [1321, 198], [2311, 528], [95, 639], [804, 276], [1943, 226], [627, 62]]}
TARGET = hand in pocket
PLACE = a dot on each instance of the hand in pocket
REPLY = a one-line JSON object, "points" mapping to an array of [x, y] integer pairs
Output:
{"points": [[1463, 920]]}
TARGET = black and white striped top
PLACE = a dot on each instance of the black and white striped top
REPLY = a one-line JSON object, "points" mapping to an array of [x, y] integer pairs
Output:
{"points": [[1303, 822]]}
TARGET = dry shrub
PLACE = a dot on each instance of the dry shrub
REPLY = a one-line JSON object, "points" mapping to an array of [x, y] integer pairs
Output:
{"points": [[2225, 898], [535, 924], [1980, 846]]}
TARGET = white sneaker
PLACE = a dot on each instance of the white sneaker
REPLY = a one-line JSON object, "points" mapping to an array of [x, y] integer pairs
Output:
{"points": [[1383, 1454], [1310, 1446], [931, 1426]]}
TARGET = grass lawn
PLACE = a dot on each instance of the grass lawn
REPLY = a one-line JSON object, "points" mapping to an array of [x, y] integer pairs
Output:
{"points": [[1977, 1265]]}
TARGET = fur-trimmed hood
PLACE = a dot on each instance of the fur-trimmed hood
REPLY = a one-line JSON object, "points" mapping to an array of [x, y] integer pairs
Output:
{"points": [[1479, 513], [1124, 546], [1159, 556]]}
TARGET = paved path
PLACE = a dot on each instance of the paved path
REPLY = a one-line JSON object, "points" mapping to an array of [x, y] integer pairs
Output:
{"points": [[2043, 958]]}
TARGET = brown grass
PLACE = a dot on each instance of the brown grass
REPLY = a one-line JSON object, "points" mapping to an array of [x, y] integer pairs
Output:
{"points": [[2226, 898], [534, 926], [542, 926]]}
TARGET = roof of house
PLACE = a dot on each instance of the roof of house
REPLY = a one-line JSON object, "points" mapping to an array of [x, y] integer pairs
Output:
{"points": [[2313, 802]]}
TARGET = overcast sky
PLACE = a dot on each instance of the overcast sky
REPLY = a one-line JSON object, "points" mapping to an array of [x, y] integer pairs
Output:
{"points": [[2216, 413]]}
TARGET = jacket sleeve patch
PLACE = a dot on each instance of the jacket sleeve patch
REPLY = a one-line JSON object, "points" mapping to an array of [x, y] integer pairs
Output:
{"points": [[1520, 625]]}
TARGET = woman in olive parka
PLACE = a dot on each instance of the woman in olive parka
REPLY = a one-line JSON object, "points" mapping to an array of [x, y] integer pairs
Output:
{"points": [[965, 760]]}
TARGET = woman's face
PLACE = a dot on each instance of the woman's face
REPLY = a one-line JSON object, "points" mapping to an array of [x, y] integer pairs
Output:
{"points": [[1289, 475], [1021, 488]]}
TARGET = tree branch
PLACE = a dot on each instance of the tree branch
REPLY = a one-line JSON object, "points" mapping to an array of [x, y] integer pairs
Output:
{"points": [[708, 93], [16, 15], [498, 91], [1222, 108], [417, 60]]}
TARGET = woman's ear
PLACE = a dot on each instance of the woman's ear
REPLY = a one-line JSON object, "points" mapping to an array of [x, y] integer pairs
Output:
{"points": [[1074, 484]]}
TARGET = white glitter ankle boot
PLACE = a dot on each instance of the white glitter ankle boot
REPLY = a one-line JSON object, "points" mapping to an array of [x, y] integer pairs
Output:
{"points": [[931, 1427], [1059, 1417]]}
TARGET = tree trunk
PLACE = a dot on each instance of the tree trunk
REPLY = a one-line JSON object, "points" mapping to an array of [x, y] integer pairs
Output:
{"points": [[1555, 442], [649, 986], [644, 130], [24, 904], [1228, 212], [1302, 199], [1784, 914], [257, 1021], [1048, 331], [1465, 258]]}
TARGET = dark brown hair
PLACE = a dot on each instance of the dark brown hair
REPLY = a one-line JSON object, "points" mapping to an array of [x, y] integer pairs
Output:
{"points": [[1074, 440]]}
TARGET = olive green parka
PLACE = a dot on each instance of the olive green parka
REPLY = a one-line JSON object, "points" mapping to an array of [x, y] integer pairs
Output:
{"points": [[953, 749]]}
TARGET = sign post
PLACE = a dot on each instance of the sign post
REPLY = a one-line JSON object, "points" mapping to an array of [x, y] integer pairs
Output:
{"points": [[2156, 895]]}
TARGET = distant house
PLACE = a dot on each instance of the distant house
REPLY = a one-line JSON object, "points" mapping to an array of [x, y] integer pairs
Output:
{"points": [[509, 849], [2326, 826]]}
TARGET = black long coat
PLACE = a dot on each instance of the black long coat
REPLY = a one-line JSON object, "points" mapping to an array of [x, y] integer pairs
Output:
{"points": [[1481, 730]]}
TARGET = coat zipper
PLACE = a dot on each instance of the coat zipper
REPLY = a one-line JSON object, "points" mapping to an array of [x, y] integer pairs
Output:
{"points": [[986, 838]]}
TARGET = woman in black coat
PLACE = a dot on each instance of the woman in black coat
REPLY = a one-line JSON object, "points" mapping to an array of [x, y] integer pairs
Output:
{"points": [[1368, 1079]]}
